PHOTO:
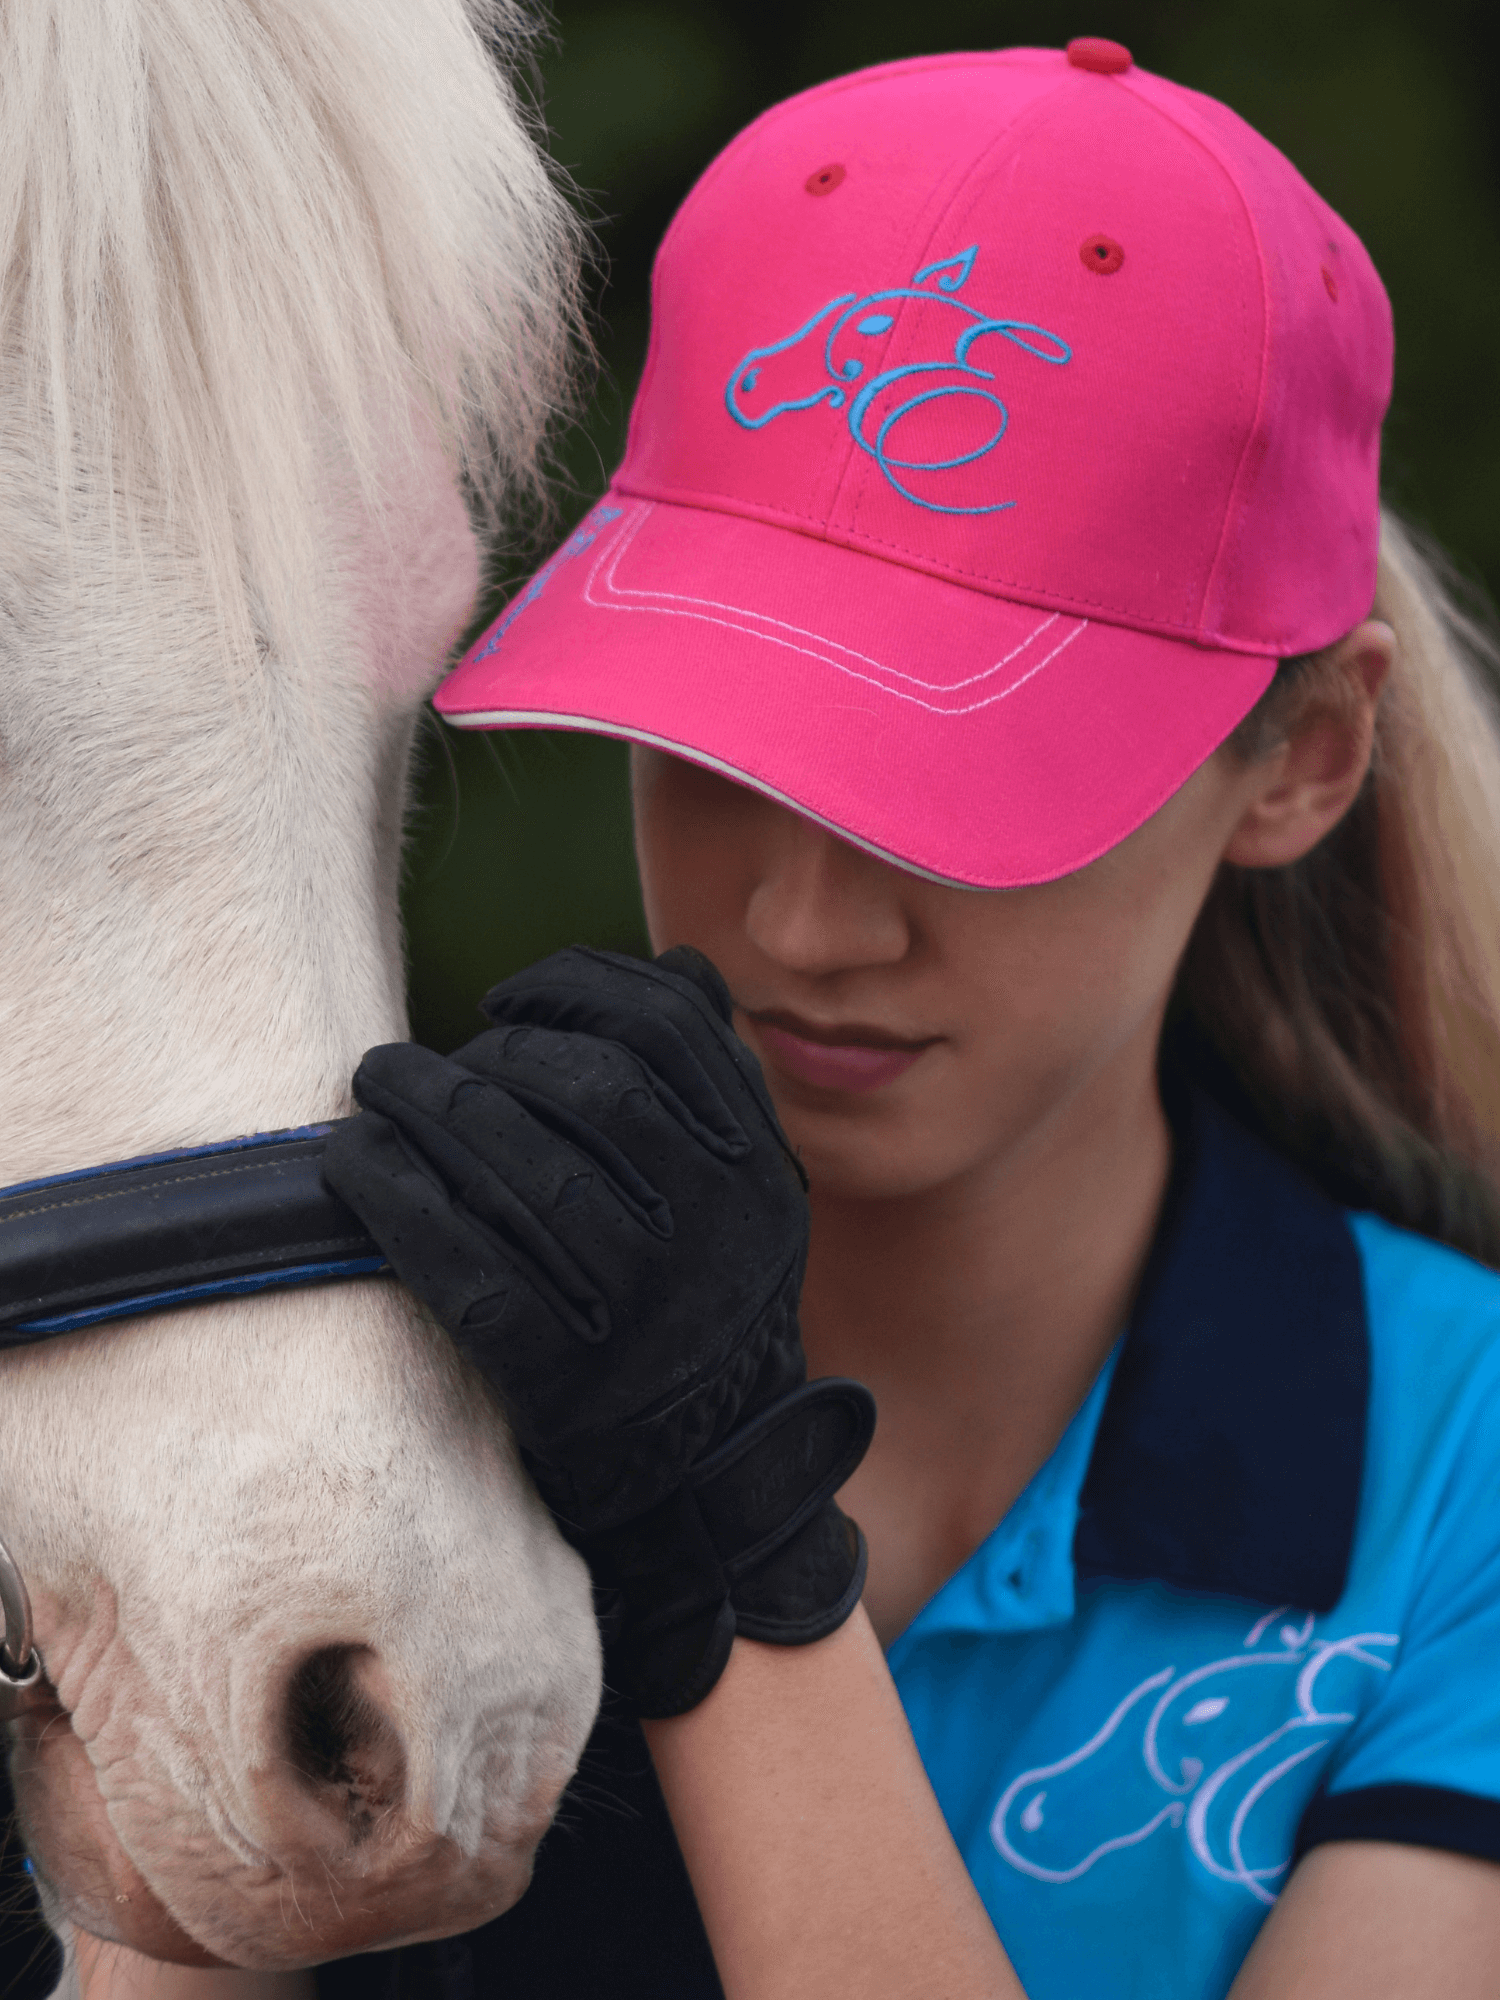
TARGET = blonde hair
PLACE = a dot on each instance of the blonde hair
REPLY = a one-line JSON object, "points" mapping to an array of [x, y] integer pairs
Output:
{"points": [[1350, 1003]]}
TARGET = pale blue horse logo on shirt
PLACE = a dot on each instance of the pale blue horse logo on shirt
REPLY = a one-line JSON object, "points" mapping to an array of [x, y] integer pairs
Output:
{"points": [[846, 342], [1205, 1752]]}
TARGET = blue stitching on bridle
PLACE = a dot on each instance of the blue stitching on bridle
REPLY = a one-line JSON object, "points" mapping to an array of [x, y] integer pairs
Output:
{"points": [[271, 1277], [218, 1288], [952, 275], [167, 1159]]}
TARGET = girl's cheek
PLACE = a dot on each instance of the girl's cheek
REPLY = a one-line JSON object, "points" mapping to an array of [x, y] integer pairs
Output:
{"points": [[688, 853], [687, 903]]}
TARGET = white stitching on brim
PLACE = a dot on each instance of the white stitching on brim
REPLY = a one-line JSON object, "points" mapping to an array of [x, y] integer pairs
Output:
{"points": [[736, 618]]}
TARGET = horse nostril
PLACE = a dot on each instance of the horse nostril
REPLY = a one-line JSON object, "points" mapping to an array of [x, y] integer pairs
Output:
{"points": [[340, 1740]]}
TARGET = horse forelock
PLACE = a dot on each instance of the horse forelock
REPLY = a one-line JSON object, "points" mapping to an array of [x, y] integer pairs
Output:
{"points": [[271, 273], [239, 242]]}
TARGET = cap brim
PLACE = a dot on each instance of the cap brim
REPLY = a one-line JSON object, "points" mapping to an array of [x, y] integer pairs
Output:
{"points": [[967, 737]]}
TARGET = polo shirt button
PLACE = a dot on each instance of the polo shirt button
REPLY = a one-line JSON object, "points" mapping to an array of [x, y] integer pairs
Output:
{"points": [[1091, 52]]}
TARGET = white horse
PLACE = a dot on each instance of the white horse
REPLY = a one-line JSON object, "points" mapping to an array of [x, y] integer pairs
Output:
{"points": [[276, 275]]}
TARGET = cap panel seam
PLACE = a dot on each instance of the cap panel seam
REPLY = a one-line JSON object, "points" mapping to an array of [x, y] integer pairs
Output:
{"points": [[966, 181], [1231, 503]]}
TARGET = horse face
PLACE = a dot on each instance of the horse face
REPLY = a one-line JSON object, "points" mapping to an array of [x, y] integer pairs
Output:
{"points": [[321, 1662]]}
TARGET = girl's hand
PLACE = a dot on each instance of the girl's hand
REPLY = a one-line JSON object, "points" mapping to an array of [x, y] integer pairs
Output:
{"points": [[597, 1202]]}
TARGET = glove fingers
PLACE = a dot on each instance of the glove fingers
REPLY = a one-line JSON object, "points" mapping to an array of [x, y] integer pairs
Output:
{"points": [[513, 1177], [456, 1267], [588, 1092], [505, 1113], [552, 1155], [630, 1188], [478, 1097], [685, 961], [698, 1067], [606, 1104]]}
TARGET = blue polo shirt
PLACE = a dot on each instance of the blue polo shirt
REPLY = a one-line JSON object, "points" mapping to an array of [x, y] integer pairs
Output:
{"points": [[1250, 1604]]}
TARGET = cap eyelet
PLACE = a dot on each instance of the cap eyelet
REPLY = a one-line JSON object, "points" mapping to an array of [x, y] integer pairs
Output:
{"points": [[1101, 255], [826, 179]]}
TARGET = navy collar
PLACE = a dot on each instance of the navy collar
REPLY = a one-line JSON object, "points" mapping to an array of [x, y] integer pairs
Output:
{"points": [[1231, 1448]]}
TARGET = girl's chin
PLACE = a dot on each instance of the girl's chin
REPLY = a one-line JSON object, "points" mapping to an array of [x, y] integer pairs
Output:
{"points": [[852, 1159]]}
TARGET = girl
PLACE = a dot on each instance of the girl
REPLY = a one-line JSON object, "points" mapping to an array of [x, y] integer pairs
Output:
{"points": [[1095, 818]]}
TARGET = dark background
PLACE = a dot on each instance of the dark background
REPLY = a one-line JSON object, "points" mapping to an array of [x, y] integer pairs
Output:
{"points": [[522, 840]]}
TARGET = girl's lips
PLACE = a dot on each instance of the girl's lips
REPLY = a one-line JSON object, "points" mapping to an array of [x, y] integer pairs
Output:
{"points": [[835, 1065]]}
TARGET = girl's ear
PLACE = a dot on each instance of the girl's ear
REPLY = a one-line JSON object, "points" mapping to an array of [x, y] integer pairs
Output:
{"points": [[1310, 781]]}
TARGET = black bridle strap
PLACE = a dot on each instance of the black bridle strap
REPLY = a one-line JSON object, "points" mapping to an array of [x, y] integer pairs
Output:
{"points": [[137, 1236]]}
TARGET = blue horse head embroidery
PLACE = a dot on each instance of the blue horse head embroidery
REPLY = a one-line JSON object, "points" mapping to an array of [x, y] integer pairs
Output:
{"points": [[763, 387]]}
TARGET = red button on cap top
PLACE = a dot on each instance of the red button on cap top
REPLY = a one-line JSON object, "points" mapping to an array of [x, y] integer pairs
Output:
{"points": [[1090, 52]]}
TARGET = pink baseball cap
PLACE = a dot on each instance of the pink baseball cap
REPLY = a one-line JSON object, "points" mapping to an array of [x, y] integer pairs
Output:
{"points": [[1007, 418]]}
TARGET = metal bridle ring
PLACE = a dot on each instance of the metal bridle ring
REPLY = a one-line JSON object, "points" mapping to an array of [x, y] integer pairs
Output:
{"points": [[20, 1665]]}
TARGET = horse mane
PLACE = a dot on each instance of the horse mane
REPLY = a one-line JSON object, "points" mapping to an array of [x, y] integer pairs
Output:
{"points": [[234, 234]]}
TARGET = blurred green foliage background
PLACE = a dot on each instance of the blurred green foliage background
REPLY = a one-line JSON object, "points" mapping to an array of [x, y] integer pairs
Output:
{"points": [[1387, 106]]}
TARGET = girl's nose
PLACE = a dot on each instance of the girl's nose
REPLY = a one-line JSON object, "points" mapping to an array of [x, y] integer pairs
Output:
{"points": [[822, 907]]}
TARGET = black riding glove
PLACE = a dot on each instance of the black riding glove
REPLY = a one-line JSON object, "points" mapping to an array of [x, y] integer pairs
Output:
{"points": [[595, 1199]]}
